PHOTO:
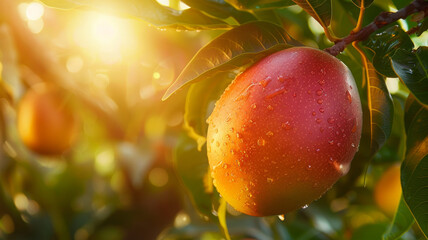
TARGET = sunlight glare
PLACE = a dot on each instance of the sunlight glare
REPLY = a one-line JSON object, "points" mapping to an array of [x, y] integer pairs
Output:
{"points": [[112, 39], [393, 85], [105, 31], [36, 26], [163, 2], [74, 64], [34, 11]]}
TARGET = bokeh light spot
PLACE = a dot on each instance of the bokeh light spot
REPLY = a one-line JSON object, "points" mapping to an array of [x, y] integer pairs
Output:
{"points": [[104, 162], [158, 177], [74, 64], [36, 26], [34, 11], [155, 127], [21, 201]]}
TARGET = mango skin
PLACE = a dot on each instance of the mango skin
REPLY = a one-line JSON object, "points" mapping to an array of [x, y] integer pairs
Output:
{"points": [[284, 131], [46, 124]]}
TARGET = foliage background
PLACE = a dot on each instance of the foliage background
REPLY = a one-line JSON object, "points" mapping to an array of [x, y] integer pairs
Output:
{"points": [[136, 171]]}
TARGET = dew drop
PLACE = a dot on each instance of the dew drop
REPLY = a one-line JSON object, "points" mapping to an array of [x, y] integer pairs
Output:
{"points": [[330, 120], [320, 101], [286, 125], [331, 142], [318, 120], [348, 95], [261, 142], [281, 217], [238, 135], [318, 150], [306, 206], [322, 110], [354, 128], [319, 92], [270, 134], [281, 78], [277, 92], [270, 107], [321, 82], [265, 82], [309, 167], [269, 180], [353, 145]]}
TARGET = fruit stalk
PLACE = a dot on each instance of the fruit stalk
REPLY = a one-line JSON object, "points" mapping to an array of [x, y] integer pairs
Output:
{"points": [[380, 21]]}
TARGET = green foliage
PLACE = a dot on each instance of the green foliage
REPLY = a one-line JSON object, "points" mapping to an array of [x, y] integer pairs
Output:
{"points": [[148, 10], [367, 3], [414, 167], [105, 187], [232, 50], [412, 68], [255, 5], [199, 104], [380, 107], [220, 9], [318, 9], [403, 220], [384, 45]]}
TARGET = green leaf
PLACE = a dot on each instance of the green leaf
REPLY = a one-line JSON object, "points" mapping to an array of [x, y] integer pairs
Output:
{"points": [[401, 3], [367, 3], [369, 231], [147, 10], [381, 108], [200, 102], [414, 170], [423, 26], [384, 45], [403, 220], [192, 168], [220, 9], [232, 50], [344, 18], [250, 5], [318, 9], [412, 68]]}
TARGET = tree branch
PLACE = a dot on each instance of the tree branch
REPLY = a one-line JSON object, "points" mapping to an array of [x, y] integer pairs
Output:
{"points": [[380, 21]]}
